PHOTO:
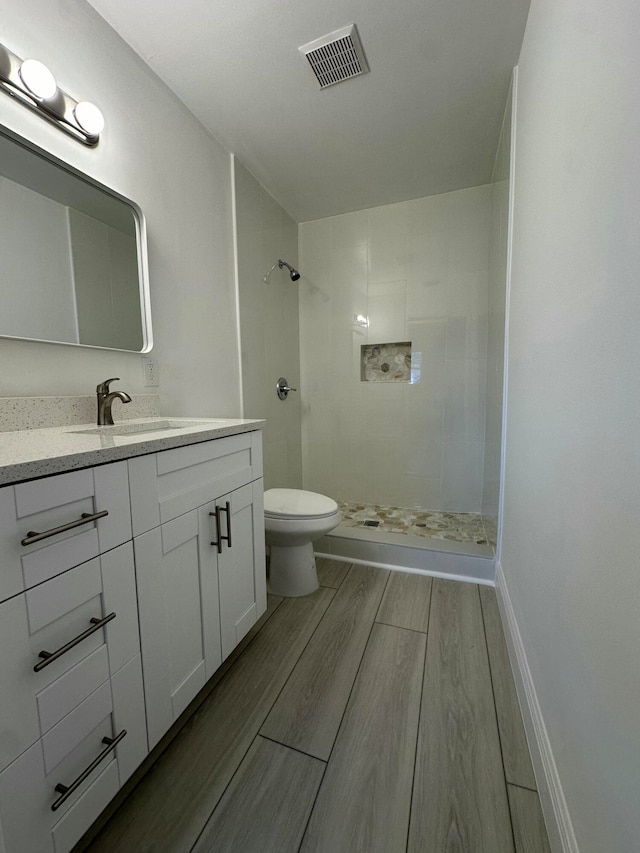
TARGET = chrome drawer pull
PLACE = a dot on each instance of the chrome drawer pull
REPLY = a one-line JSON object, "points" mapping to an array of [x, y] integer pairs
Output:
{"points": [[67, 790], [85, 518], [221, 536], [49, 657]]}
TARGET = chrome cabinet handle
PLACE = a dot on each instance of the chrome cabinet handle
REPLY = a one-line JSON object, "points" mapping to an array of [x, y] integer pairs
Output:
{"points": [[67, 790], [49, 657], [85, 518], [221, 536]]}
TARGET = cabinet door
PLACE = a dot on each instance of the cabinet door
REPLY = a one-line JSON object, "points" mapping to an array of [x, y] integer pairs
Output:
{"points": [[179, 615], [241, 565]]}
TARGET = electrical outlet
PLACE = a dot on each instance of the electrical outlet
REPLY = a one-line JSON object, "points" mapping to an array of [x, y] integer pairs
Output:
{"points": [[151, 372]]}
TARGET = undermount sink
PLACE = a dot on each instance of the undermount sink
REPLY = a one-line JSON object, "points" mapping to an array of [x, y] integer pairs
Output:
{"points": [[140, 429]]}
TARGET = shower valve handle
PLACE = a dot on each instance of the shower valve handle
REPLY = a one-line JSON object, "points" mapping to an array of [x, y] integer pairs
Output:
{"points": [[282, 388]]}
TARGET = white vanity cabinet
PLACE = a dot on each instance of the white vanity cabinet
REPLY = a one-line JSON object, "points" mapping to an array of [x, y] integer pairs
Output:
{"points": [[199, 543], [71, 668], [123, 586]]}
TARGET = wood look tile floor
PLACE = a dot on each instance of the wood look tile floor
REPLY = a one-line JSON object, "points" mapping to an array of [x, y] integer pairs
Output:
{"points": [[376, 715]]}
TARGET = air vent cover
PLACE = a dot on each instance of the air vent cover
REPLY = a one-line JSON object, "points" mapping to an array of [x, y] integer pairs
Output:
{"points": [[336, 56]]}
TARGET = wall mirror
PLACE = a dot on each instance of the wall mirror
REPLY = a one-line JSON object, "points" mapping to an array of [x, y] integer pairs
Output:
{"points": [[72, 253]]}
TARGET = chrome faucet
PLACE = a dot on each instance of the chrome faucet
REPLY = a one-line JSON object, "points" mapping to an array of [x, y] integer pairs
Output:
{"points": [[105, 400]]}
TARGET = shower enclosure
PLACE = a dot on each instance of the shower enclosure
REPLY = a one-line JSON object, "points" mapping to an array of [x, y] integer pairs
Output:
{"points": [[401, 346], [399, 315]]}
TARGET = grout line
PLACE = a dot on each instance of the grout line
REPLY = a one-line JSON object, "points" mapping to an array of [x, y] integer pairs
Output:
{"points": [[311, 810], [415, 756], [293, 748], [402, 627], [524, 787], [336, 588], [226, 788], [364, 651], [495, 711], [244, 755], [257, 734], [306, 645]]}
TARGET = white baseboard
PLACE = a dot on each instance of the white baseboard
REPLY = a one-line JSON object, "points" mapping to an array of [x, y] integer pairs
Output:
{"points": [[562, 838]]}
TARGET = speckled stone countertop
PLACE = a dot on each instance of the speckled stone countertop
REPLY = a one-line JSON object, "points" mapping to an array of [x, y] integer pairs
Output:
{"points": [[31, 453]]}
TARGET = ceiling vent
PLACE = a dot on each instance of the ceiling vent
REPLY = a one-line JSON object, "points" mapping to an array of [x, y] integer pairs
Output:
{"points": [[336, 57]]}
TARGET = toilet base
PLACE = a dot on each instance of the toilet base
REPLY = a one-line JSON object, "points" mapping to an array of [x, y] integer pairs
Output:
{"points": [[292, 570]]}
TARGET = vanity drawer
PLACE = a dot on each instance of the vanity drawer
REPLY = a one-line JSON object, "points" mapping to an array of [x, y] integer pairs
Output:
{"points": [[66, 500], [28, 785], [168, 484], [50, 617]]}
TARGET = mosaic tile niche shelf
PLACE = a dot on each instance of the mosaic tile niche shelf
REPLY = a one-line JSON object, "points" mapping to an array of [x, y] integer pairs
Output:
{"points": [[385, 362], [452, 526]]}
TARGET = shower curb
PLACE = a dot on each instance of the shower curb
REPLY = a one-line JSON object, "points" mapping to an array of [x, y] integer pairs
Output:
{"points": [[348, 546]]}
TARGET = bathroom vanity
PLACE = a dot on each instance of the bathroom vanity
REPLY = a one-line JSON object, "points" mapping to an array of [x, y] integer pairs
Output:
{"points": [[132, 563]]}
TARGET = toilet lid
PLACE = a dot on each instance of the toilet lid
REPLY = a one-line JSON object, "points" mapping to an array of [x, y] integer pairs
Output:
{"points": [[295, 503]]}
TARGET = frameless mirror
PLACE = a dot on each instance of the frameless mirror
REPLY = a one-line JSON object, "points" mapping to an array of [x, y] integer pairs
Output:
{"points": [[73, 255]]}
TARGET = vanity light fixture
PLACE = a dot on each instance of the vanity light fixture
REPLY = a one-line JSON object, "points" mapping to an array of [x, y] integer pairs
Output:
{"points": [[38, 79], [32, 83]]}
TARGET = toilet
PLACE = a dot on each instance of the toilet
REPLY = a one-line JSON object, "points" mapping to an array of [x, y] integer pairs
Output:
{"points": [[293, 519]]}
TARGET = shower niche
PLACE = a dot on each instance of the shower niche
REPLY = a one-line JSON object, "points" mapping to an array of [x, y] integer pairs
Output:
{"points": [[390, 362]]}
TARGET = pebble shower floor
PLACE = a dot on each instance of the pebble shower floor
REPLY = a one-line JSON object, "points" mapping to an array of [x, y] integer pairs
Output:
{"points": [[454, 526]]}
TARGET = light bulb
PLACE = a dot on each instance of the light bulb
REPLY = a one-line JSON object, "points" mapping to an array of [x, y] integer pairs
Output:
{"points": [[38, 79], [89, 118]]}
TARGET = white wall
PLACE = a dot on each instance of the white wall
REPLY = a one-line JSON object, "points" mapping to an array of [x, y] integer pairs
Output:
{"points": [[155, 152], [570, 549], [269, 327], [419, 271]]}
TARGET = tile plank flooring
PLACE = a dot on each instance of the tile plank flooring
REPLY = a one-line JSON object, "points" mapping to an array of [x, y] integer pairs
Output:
{"points": [[401, 754], [515, 752], [309, 709], [460, 796]]}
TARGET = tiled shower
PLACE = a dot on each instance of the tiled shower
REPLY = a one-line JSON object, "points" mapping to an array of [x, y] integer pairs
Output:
{"points": [[401, 337]]}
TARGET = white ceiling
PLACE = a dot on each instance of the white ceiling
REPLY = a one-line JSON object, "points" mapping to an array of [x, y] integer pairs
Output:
{"points": [[425, 120]]}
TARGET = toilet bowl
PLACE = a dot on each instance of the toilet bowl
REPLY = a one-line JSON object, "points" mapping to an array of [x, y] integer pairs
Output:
{"points": [[293, 519]]}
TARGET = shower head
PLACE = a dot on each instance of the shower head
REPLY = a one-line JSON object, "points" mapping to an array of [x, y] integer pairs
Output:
{"points": [[294, 274]]}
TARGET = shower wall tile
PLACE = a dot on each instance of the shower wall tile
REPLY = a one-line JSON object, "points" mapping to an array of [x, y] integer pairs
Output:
{"points": [[428, 215], [350, 231], [419, 271], [462, 469], [388, 243], [467, 293], [464, 405], [387, 311], [470, 229]]}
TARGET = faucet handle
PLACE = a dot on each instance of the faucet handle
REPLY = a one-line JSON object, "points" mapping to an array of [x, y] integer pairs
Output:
{"points": [[103, 387]]}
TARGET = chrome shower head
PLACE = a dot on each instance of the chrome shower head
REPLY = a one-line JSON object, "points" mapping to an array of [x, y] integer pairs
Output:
{"points": [[293, 273]]}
